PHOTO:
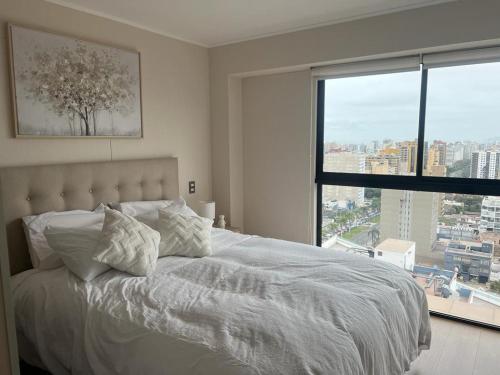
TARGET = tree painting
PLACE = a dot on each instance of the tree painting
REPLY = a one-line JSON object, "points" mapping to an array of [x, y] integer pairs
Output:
{"points": [[79, 83], [86, 87]]}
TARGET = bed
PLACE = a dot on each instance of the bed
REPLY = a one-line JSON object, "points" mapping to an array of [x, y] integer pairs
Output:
{"points": [[256, 306]]}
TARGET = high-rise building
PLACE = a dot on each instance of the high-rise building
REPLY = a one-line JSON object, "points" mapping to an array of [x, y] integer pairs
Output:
{"points": [[372, 147], [408, 152], [344, 162], [426, 153], [490, 215], [485, 164], [459, 151], [436, 155], [454, 153], [469, 148], [411, 216]]}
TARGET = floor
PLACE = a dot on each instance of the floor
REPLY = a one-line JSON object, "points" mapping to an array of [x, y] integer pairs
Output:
{"points": [[459, 349]]}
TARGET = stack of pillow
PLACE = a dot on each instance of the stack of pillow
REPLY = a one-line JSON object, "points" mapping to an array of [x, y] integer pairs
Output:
{"points": [[129, 237]]}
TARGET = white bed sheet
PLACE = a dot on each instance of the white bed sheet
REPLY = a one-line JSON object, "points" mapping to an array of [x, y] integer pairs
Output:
{"points": [[257, 306]]}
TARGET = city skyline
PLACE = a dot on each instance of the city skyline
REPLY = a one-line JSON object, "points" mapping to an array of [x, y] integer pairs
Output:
{"points": [[441, 159]]}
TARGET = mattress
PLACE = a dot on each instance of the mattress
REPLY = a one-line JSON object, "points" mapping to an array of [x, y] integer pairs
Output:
{"points": [[256, 306]]}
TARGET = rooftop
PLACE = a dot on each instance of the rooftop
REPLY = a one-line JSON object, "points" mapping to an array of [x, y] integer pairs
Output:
{"points": [[395, 246], [491, 201]]}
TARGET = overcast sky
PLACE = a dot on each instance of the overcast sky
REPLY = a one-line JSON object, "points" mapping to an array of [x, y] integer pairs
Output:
{"points": [[463, 103]]}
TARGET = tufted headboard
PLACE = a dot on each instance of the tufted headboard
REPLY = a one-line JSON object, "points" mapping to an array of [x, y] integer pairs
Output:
{"points": [[33, 190]]}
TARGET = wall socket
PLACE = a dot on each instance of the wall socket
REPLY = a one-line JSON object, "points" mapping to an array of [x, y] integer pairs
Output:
{"points": [[192, 187]]}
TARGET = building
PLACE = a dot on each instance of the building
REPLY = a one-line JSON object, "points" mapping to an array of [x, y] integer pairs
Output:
{"points": [[469, 148], [437, 171], [454, 153], [493, 237], [436, 156], [398, 252], [344, 161], [383, 164], [485, 164], [408, 152], [472, 259], [495, 270], [411, 216], [490, 215]]}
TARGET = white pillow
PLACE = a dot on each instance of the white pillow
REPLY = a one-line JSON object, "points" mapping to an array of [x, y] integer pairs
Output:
{"points": [[184, 235], [180, 206], [76, 247], [147, 211], [141, 207], [127, 244], [42, 256]]}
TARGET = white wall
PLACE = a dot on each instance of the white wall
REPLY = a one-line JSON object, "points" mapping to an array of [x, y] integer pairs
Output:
{"points": [[175, 96], [426, 29], [276, 143]]}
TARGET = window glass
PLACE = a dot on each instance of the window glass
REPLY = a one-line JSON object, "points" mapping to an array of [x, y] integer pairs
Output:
{"points": [[371, 124], [462, 132], [446, 241]]}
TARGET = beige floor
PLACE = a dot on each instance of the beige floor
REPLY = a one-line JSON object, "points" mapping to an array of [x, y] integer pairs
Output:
{"points": [[459, 349]]}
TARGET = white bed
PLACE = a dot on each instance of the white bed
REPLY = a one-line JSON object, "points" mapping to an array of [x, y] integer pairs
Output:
{"points": [[256, 306]]}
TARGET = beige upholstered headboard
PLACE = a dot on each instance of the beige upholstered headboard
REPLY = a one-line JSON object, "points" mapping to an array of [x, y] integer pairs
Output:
{"points": [[33, 190]]}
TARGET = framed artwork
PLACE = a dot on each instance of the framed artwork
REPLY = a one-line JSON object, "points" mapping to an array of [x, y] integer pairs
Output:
{"points": [[66, 87]]}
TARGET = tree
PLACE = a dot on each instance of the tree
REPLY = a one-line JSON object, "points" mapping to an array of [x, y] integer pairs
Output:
{"points": [[79, 83], [495, 286], [372, 193]]}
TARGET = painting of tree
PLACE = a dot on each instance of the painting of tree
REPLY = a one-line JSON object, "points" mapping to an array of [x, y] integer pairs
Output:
{"points": [[67, 87]]}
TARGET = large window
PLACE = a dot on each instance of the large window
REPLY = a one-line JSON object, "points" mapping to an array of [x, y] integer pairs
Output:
{"points": [[462, 128], [408, 163]]}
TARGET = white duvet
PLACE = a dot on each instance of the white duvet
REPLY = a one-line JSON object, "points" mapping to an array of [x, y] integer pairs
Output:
{"points": [[257, 306]]}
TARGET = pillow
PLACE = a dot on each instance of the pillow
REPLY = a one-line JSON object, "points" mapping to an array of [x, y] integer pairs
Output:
{"points": [[147, 211], [184, 235], [127, 244], [42, 256], [141, 207], [180, 206], [76, 247]]}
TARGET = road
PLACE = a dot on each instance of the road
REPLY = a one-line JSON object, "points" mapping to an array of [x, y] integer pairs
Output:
{"points": [[364, 238]]}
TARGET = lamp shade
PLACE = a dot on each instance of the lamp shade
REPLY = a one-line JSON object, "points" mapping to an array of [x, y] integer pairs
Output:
{"points": [[207, 209]]}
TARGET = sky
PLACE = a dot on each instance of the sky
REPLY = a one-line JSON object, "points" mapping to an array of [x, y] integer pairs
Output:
{"points": [[463, 103]]}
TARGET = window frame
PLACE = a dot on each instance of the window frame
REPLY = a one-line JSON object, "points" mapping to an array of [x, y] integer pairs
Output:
{"points": [[417, 182]]}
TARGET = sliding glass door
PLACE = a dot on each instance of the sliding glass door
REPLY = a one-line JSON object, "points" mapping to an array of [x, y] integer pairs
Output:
{"points": [[408, 172]]}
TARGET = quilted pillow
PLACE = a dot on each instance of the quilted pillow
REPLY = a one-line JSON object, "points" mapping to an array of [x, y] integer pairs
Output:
{"points": [[127, 244], [184, 235]]}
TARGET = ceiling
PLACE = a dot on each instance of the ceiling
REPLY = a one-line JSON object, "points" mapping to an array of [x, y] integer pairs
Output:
{"points": [[216, 22]]}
